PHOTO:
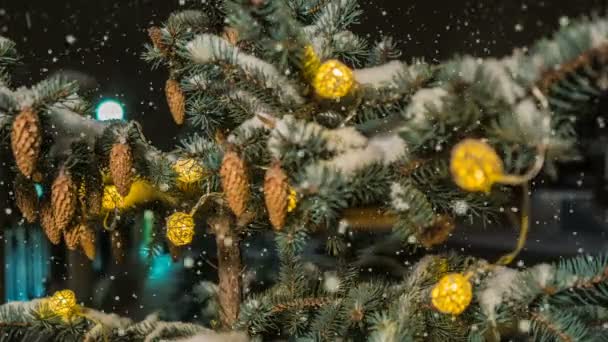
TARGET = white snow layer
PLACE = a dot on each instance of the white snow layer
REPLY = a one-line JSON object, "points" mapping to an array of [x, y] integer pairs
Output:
{"points": [[496, 289], [206, 48], [423, 101], [379, 76]]}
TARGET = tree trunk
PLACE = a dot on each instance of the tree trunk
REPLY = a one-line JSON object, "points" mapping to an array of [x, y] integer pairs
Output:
{"points": [[229, 270]]}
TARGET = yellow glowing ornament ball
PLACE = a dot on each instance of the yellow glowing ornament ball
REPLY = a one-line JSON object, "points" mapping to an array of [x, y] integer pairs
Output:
{"points": [[63, 303], [180, 228], [333, 80], [452, 294], [111, 198], [188, 171], [292, 200], [475, 166]]}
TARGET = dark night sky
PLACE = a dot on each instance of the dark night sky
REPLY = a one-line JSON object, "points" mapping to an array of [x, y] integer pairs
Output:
{"points": [[110, 35]]}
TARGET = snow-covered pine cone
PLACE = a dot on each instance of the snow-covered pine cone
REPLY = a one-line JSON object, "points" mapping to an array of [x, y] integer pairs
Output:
{"points": [[63, 199], [235, 182], [276, 195], [26, 140], [176, 101], [47, 221], [26, 199], [87, 242], [121, 168]]}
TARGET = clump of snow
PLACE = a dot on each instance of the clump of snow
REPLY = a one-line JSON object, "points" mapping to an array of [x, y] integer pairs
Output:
{"points": [[423, 101], [497, 287], [497, 77], [397, 201], [299, 132], [379, 76], [543, 274], [382, 149]]}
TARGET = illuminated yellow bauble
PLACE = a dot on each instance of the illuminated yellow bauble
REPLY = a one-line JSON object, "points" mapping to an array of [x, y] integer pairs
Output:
{"points": [[111, 198], [475, 166], [452, 294], [333, 80], [292, 200], [63, 303], [180, 228], [188, 171]]}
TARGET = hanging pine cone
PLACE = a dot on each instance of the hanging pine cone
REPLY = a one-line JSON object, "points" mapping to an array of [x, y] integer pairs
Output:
{"points": [[231, 35], [47, 221], [438, 232], [118, 246], [71, 236], [63, 199], [26, 139], [156, 37], [26, 199], [235, 182], [276, 195], [121, 168], [176, 101], [87, 242]]}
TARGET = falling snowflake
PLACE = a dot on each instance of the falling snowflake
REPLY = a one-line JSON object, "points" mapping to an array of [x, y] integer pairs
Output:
{"points": [[460, 207]]}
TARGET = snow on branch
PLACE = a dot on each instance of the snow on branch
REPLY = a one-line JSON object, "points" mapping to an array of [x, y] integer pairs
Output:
{"points": [[207, 48]]}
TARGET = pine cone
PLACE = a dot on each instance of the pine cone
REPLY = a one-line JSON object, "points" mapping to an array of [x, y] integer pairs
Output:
{"points": [[121, 168], [118, 246], [231, 35], [26, 139], [87, 242], [72, 236], [26, 199], [276, 194], [438, 232], [156, 37], [63, 199], [176, 101], [47, 221], [235, 182]]}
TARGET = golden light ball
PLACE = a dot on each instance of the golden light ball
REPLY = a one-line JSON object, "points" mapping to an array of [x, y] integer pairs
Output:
{"points": [[180, 228], [63, 303], [452, 294], [292, 200], [475, 166], [333, 80], [111, 198], [188, 170]]}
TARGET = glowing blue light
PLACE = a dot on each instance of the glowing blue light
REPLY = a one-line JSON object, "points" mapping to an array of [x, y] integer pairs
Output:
{"points": [[110, 110], [39, 189]]}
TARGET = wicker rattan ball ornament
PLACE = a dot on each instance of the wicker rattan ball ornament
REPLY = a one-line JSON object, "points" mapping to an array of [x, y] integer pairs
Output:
{"points": [[452, 294], [189, 172], [475, 166], [180, 228], [63, 303], [111, 198], [292, 200], [333, 80]]}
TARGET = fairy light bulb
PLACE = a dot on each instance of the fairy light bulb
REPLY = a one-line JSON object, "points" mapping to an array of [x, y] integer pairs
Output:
{"points": [[180, 228], [475, 166]]}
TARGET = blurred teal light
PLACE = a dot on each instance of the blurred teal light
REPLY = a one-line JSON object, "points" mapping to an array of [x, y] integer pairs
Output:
{"points": [[109, 110], [39, 189]]}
